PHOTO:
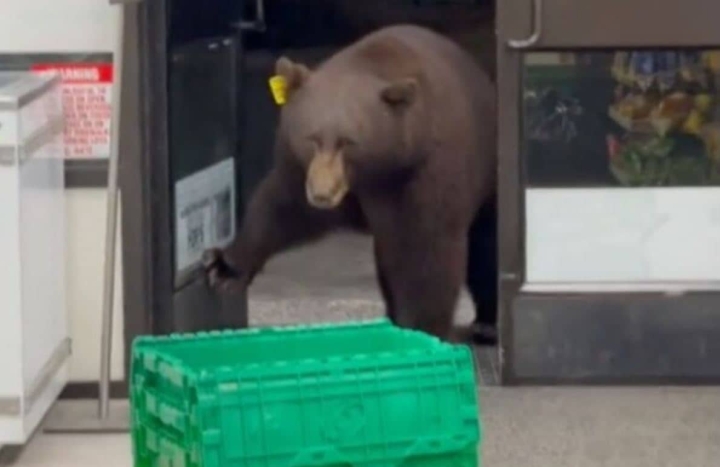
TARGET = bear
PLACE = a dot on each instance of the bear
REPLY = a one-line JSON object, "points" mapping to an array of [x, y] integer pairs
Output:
{"points": [[394, 135]]}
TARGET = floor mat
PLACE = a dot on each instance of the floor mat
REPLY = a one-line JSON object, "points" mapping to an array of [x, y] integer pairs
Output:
{"points": [[487, 366]]}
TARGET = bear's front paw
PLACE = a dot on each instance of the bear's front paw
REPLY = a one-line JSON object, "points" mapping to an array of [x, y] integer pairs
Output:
{"points": [[221, 275]]}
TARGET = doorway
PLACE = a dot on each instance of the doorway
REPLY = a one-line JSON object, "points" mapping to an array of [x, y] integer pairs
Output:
{"points": [[206, 77]]}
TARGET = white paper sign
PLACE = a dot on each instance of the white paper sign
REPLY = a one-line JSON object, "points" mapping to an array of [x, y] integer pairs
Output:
{"points": [[204, 212]]}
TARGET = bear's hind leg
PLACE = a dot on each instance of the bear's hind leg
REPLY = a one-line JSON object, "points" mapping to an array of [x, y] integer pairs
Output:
{"points": [[482, 274], [384, 285], [426, 279]]}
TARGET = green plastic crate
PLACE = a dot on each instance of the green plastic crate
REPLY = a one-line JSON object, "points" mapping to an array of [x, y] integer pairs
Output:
{"points": [[350, 395]]}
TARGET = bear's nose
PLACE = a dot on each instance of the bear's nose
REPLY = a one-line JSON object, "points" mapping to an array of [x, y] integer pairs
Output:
{"points": [[326, 184], [326, 197]]}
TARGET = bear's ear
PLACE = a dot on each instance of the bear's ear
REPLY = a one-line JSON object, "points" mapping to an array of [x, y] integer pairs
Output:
{"points": [[401, 93], [295, 74]]}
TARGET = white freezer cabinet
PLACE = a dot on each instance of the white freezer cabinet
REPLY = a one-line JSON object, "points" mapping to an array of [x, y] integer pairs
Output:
{"points": [[33, 320]]}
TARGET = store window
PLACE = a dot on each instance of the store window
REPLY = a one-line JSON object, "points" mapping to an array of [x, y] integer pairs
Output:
{"points": [[622, 168], [626, 119]]}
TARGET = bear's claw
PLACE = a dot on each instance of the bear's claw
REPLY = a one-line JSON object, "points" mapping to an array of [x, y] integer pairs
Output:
{"points": [[221, 275]]}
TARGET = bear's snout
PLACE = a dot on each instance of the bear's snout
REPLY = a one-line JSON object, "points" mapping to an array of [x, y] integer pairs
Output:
{"points": [[326, 184]]}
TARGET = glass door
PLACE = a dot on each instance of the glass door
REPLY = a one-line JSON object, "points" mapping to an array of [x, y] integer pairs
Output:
{"points": [[203, 140], [610, 181], [192, 58]]}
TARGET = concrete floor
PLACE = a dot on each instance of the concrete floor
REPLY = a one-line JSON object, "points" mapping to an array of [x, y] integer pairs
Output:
{"points": [[524, 427]]}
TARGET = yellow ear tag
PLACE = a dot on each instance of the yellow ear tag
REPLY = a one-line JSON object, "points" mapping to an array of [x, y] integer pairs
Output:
{"points": [[278, 87]]}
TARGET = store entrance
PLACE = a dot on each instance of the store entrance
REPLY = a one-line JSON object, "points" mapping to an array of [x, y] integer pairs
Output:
{"points": [[210, 133]]}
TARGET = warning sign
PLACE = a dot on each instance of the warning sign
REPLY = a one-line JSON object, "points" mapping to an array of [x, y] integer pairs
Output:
{"points": [[86, 95]]}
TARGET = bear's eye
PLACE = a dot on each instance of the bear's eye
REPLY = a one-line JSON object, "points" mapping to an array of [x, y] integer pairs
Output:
{"points": [[314, 141], [344, 143]]}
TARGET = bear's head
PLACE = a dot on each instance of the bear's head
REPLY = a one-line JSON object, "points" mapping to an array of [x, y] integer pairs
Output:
{"points": [[350, 129]]}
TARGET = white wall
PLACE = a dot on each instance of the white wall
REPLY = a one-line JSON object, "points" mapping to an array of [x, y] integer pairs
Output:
{"points": [[56, 26], [86, 210], [74, 26]]}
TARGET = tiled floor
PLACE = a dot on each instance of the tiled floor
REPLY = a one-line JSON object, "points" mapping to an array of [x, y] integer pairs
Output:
{"points": [[529, 427], [524, 427]]}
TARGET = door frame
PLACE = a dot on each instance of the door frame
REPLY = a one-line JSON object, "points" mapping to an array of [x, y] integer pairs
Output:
{"points": [[145, 177], [572, 311], [150, 175], [146, 258]]}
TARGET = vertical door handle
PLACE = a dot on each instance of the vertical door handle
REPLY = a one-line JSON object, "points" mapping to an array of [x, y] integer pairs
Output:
{"points": [[259, 24], [534, 37]]}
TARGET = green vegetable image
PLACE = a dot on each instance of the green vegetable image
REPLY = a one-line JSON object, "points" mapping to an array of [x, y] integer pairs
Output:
{"points": [[656, 161]]}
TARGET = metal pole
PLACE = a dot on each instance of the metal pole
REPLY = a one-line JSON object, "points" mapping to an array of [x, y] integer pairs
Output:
{"points": [[111, 223]]}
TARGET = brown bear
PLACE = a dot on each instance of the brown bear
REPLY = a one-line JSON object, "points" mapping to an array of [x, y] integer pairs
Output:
{"points": [[396, 135]]}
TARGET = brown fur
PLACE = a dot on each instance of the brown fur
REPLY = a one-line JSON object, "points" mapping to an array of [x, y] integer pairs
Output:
{"points": [[411, 119]]}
